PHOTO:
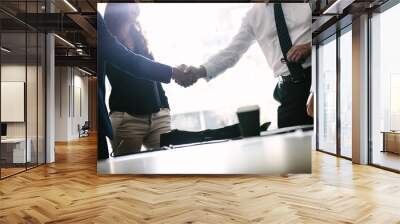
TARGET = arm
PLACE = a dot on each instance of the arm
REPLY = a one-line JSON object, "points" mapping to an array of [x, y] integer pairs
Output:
{"points": [[118, 55], [229, 56]]}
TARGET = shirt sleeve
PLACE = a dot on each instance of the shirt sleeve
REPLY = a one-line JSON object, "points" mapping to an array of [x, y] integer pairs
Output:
{"points": [[126, 60], [229, 56]]}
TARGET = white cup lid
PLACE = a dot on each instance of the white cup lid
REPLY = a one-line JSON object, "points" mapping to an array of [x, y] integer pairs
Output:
{"points": [[248, 108]]}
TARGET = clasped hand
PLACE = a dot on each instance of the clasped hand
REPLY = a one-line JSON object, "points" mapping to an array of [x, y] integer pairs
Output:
{"points": [[186, 76]]}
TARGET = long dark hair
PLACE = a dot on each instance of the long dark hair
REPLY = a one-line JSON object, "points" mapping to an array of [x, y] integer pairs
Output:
{"points": [[117, 14]]}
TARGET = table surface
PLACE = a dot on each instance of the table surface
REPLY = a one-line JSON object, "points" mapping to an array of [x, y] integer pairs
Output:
{"points": [[13, 140], [390, 132], [272, 154]]}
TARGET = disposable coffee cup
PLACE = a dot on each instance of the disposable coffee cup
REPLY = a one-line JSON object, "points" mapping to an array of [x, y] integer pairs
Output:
{"points": [[249, 120]]}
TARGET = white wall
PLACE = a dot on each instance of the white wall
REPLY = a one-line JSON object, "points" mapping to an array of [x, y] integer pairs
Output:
{"points": [[33, 126], [70, 84], [61, 103]]}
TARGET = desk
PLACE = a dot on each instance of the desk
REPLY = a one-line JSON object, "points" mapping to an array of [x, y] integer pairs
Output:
{"points": [[13, 150], [272, 154], [391, 141]]}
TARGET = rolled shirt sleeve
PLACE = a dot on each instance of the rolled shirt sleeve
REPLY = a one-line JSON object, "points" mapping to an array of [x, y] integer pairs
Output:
{"points": [[229, 56]]}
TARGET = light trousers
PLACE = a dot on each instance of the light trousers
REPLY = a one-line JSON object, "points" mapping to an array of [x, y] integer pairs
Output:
{"points": [[132, 131]]}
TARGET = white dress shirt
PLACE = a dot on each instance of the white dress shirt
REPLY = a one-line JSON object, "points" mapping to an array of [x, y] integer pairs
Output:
{"points": [[259, 25]]}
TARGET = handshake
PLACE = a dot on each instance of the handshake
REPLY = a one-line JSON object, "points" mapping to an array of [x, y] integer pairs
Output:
{"points": [[186, 76]]}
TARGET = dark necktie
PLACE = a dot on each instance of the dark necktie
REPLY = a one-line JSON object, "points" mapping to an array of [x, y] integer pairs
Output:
{"points": [[295, 69]]}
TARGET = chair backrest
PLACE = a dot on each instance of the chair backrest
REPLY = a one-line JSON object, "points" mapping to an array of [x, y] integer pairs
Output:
{"points": [[86, 124]]}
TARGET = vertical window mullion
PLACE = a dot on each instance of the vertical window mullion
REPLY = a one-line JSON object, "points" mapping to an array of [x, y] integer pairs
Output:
{"points": [[37, 89], [338, 80], [0, 94], [316, 97], [26, 86], [370, 146]]}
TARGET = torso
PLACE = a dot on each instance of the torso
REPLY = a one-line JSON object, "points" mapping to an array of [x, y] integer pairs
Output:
{"points": [[298, 20]]}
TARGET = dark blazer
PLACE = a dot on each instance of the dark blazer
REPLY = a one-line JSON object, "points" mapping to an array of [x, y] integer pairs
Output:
{"points": [[111, 51], [133, 95]]}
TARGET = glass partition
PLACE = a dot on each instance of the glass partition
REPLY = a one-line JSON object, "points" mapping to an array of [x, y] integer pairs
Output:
{"points": [[23, 90], [14, 144]]}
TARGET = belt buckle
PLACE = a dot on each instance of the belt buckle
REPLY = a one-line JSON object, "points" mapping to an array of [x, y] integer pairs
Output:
{"points": [[295, 81]]}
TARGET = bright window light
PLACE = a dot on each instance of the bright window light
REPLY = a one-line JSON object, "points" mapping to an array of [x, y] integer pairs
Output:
{"points": [[180, 33]]}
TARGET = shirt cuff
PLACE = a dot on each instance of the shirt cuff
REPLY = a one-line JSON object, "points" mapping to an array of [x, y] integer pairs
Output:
{"points": [[211, 73]]}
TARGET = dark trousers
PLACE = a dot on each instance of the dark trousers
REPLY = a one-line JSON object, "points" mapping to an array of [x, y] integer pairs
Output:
{"points": [[293, 99]]}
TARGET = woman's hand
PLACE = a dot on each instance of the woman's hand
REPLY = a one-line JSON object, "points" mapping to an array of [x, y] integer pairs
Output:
{"points": [[310, 105]]}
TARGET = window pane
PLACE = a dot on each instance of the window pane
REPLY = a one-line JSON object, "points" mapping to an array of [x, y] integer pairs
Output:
{"points": [[217, 100], [346, 94], [327, 97], [385, 82]]}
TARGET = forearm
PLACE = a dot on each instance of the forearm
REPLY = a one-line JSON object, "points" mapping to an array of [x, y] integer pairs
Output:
{"points": [[310, 105], [219, 64], [229, 56], [133, 64]]}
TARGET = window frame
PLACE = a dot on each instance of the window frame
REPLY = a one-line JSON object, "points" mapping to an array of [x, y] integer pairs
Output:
{"points": [[333, 37], [381, 9]]}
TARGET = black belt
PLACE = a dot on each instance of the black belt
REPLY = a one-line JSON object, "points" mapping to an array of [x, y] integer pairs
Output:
{"points": [[290, 79], [293, 78]]}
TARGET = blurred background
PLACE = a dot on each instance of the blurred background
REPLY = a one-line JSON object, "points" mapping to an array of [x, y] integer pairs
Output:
{"points": [[179, 33]]}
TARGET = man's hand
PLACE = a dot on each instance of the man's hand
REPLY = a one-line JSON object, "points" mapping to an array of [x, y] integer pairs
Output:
{"points": [[190, 75], [299, 53], [310, 105], [179, 76], [196, 73]]}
